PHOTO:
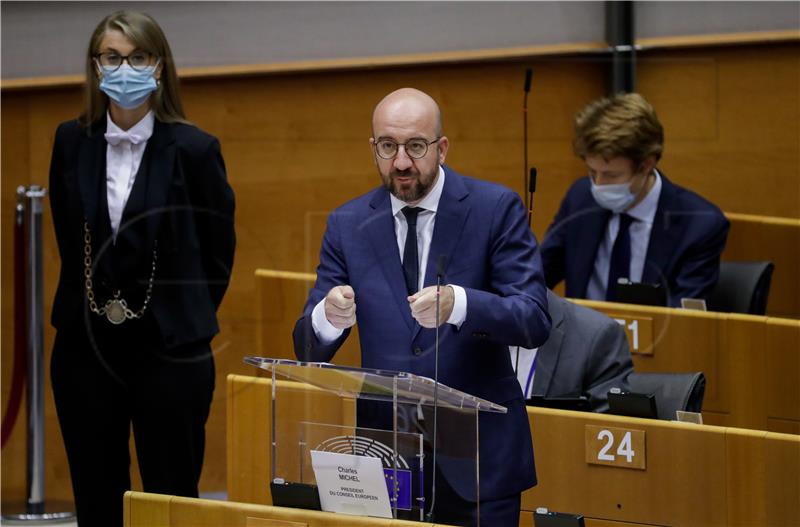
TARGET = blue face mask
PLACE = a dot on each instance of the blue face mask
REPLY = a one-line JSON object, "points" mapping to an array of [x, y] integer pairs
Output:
{"points": [[128, 87], [616, 198]]}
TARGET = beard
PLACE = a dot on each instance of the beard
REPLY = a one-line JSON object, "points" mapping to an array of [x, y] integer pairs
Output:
{"points": [[416, 188]]}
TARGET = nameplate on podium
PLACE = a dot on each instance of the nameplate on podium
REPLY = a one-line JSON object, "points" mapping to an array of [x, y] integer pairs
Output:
{"points": [[351, 484]]}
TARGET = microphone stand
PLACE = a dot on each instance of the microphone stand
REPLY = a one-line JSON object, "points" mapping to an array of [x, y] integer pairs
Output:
{"points": [[526, 184], [430, 516], [528, 76]]}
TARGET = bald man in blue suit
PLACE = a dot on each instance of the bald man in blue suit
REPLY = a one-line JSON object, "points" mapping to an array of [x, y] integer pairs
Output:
{"points": [[494, 294]]}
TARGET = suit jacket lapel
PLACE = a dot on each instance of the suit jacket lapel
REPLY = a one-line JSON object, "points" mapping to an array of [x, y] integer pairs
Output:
{"points": [[590, 228], [548, 354], [451, 215], [664, 236], [379, 228], [161, 169], [90, 172]]}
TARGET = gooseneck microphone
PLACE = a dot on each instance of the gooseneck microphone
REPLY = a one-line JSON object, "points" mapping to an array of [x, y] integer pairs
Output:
{"points": [[441, 263], [529, 178], [528, 78], [531, 190]]}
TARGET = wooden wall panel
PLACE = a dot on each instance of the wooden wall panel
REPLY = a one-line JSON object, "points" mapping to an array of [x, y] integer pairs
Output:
{"points": [[778, 241], [279, 302], [14, 172], [295, 145], [731, 118]]}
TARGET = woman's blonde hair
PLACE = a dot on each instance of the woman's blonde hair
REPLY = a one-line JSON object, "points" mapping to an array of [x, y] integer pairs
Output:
{"points": [[624, 125], [145, 33]]}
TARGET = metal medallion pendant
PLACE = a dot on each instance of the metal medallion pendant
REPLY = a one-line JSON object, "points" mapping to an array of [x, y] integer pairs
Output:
{"points": [[115, 311]]}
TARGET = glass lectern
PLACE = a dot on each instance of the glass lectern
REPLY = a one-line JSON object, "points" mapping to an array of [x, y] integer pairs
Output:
{"points": [[393, 416]]}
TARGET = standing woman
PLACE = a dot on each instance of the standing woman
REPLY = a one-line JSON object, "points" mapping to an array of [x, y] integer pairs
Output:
{"points": [[143, 216]]}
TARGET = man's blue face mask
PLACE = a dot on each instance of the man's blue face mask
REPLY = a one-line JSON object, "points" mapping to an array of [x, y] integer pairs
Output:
{"points": [[126, 86], [616, 198]]}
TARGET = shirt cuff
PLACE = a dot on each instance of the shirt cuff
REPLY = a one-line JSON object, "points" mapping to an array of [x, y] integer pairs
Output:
{"points": [[325, 331], [459, 313]]}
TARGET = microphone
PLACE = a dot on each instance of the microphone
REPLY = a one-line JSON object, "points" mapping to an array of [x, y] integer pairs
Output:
{"points": [[529, 183], [531, 190], [441, 263], [528, 78]]}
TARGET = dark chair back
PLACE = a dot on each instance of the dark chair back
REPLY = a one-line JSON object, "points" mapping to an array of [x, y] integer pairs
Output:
{"points": [[673, 391], [743, 287]]}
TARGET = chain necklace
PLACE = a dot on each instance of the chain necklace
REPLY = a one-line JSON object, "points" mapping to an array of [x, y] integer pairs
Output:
{"points": [[116, 309]]}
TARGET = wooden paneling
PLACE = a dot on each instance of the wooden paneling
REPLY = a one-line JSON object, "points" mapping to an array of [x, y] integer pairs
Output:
{"points": [[157, 510], [279, 302], [783, 355], [249, 423], [756, 495], [696, 474], [751, 363], [150, 509], [731, 124], [778, 241], [684, 483], [295, 145]]}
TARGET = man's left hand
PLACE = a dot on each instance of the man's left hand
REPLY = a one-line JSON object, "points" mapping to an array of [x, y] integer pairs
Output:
{"points": [[423, 305]]}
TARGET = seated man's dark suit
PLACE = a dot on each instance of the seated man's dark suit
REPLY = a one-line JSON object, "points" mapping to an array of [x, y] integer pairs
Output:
{"points": [[586, 354], [686, 241], [482, 229]]}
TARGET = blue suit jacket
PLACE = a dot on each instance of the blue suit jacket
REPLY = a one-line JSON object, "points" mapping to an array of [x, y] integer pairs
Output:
{"points": [[482, 228], [686, 242]]}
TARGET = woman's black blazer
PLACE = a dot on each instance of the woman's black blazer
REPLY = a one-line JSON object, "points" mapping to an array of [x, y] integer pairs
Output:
{"points": [[180, 206]]}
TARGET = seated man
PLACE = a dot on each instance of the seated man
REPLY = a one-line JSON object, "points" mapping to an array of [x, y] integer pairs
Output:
{"points": [[626, 219], [586, 354]]}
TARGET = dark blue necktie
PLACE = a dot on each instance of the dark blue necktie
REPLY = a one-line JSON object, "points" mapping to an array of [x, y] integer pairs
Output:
{"points": [[620, 264], [410, 256]]}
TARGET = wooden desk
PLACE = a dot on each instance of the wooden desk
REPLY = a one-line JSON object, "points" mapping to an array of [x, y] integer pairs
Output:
{"points": [[694, 475], [777, 240], [751, 363], [158, 510]]}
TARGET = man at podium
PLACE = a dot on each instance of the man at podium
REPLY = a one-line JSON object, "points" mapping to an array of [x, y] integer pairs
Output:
{"points": [[380, 259]]}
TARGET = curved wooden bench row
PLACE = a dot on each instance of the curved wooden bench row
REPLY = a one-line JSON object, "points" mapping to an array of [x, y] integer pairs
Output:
{"points": [[693, 474]]}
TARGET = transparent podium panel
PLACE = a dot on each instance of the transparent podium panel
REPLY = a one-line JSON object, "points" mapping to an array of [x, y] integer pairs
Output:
{"points": [[422, 439]]}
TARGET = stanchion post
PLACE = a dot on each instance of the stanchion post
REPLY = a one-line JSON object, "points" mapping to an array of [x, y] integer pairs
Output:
{"points": [[36, 510]]}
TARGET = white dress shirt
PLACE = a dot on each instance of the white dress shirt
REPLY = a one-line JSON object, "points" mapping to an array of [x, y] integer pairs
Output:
{"points": [[123, 157], [426, 219], [643, 215], [526, 370]]}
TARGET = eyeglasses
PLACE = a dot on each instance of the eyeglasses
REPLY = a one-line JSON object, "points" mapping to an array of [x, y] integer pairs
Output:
{"points": [[415, 148], [138, 60]]}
